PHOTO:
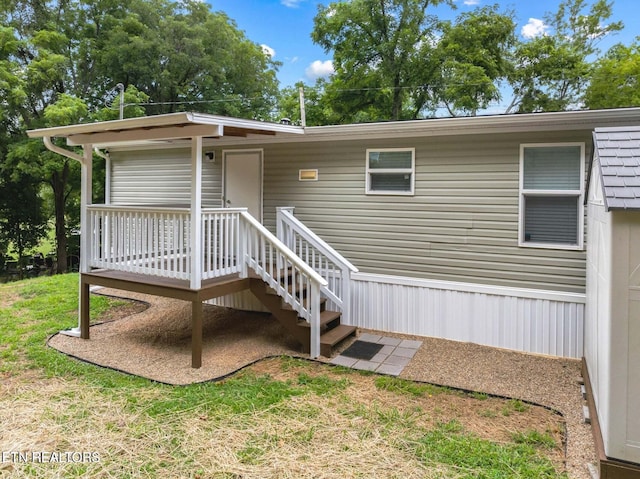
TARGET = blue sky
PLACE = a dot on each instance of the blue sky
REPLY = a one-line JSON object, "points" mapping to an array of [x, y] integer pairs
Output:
{"points": [[284, 28]]}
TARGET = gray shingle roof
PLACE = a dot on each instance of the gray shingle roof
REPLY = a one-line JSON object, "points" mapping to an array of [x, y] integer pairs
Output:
{"points": [[618, 150]]}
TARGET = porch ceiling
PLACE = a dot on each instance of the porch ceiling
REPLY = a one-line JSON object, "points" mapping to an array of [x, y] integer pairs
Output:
{"points": [[174, 126]]}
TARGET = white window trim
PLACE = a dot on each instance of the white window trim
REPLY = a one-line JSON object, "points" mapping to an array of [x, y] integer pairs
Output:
{"points": [[579, 194], [411, 171]]}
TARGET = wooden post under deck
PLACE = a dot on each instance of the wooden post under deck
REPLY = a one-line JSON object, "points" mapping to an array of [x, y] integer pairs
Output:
{"points": [[196, 334], [168, 288], [84, 310]]}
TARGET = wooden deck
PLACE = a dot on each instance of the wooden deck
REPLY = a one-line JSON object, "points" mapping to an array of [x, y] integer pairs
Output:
{"points": [[159, 286]]}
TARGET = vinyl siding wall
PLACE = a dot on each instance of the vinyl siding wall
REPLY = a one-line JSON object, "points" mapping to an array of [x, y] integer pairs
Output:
{"points": [[461, 224], [162, 177]]}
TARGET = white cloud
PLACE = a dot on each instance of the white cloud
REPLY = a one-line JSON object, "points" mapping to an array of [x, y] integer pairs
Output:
{"points": [[267, 50], [291, 3], [471, 2], [319, 69], [535, 28]]}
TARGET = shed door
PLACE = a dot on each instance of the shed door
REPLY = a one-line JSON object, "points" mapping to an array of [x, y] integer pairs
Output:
{"points": [[243, 181]]}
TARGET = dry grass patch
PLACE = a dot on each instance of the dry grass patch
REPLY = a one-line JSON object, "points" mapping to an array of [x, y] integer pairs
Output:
{"points": [[279, 418]]}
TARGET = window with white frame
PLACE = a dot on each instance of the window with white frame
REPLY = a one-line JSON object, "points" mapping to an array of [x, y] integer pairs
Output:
{"points": [[551, 195], [390, 171]]}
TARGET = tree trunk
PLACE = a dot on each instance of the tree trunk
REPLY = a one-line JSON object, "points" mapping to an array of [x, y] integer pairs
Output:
{"points": [[59, 183]]}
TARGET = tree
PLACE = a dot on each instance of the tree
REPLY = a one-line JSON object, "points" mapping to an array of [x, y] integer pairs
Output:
{"points": [[183, 55], [552, 70], [615, 82], [318, 109], [376, 46], [22, 220], [474, 56], [60, 61]]}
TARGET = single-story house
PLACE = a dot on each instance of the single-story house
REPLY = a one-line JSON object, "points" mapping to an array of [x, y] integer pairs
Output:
{"points": [[469, 229]]}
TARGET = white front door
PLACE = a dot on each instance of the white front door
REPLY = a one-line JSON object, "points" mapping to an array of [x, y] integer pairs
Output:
{"points": [[243, 181]]}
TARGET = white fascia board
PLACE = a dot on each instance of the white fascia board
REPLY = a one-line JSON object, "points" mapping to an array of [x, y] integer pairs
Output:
{"points": [[112, 125], [202, 118]]}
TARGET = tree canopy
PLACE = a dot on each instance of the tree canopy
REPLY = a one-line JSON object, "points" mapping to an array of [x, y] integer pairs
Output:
{"points": [[615, 81], [60, 63], [375, 45], [394, 60]]}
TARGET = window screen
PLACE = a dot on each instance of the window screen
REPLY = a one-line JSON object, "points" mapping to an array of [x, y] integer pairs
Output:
{"points": [[551, 219], [390, 171], [552, 168]]}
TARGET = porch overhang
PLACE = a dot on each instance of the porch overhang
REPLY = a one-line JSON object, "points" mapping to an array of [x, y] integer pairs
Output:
{"points": [[163, 128]]}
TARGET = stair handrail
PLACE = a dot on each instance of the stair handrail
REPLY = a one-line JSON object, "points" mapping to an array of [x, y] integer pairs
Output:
{"points": [[307, 307], [340, 294], [285, 214]]}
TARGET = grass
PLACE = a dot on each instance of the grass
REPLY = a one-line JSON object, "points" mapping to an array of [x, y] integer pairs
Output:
{"points": [[279, 418]]}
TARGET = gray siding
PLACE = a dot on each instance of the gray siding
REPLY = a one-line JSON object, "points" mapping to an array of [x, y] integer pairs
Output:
{"points": [[461, 224], [161, 177]]}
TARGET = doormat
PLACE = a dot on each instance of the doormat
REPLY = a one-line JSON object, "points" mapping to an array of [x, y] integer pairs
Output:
{"points": [[362, 350]]}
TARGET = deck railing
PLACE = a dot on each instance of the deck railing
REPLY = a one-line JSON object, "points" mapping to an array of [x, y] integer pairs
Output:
{"points": [[291, 278], [320, 256], [157, 241], [152, 241]]}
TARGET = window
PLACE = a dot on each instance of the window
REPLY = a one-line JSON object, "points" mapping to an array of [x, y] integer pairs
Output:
{"points": [[390, 171], [551, 195]]}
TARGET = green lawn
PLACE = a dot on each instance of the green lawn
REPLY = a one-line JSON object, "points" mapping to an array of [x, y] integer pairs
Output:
{"points": [[281, 418]]}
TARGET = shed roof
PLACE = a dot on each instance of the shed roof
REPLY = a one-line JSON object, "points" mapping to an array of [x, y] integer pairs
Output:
{"points": [[618, 151]]}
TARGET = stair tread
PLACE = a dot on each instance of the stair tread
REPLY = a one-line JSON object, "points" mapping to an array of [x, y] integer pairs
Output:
{"points": [[288, 307], [326, 317], [337, 334]]}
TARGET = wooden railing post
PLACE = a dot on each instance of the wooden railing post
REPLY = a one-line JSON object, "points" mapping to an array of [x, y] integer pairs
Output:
{"points": [[315, 320], [282, 232], [243, 247]]}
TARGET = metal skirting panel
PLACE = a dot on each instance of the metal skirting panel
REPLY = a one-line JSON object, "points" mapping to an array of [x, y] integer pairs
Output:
{"points": [[243, 300], [524, 323]]}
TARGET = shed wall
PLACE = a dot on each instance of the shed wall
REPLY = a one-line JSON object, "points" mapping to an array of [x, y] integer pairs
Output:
{"points": [[612, 322], [597, 337], [623, 441]]}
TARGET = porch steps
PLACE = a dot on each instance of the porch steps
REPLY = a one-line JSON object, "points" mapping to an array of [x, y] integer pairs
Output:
{"points": [[332, 333], [334, 336]]}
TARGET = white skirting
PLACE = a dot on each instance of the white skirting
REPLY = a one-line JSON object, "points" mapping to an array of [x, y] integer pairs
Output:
{"points": [[534, 321]]}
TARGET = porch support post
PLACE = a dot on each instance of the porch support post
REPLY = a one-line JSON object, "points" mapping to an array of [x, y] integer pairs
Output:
{"points": [[86, 169], [85, 301], [86, 230], [196, 256], [196, 333]]}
